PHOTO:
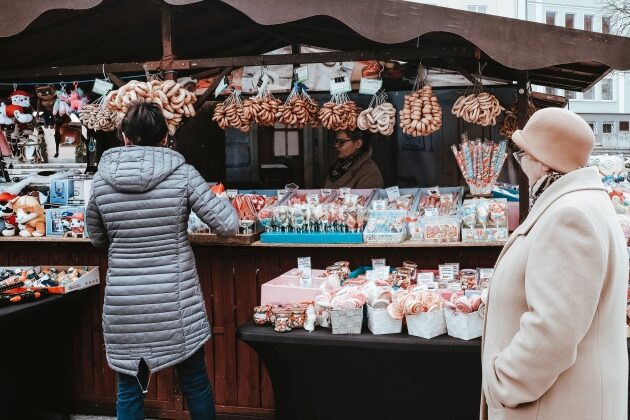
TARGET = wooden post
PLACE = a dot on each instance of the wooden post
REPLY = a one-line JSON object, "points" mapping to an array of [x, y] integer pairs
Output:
{"points": [[523, 103], [168, 53]]}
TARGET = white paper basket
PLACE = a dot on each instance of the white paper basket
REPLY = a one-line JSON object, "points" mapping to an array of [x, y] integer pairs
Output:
{"points": [[381, 322], [346, 321], [427, 324], [464, 326]]}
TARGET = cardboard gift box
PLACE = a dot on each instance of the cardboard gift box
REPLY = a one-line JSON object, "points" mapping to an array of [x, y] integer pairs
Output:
{"points": [[61, 190], [427, 324], [90, 277], [289, 288]]}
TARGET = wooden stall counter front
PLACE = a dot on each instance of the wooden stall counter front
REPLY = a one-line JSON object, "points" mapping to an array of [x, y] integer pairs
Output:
{"points": [[230, 276]]}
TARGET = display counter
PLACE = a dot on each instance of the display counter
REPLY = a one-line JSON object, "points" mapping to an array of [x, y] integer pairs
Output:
{"points": [[231, 276]]}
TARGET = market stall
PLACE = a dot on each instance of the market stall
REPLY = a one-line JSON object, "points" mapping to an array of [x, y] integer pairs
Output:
{"points": [[471, 66]]}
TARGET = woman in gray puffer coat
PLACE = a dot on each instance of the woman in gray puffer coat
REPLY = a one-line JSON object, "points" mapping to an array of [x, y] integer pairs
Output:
{"points": [[154, 315]]}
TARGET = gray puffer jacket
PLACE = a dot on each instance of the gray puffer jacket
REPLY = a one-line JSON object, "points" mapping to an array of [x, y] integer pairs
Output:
{"points": [[153, 306]]}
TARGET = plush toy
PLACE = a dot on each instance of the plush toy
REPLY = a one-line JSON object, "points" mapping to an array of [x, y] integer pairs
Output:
{"points": [[46, 97], [77, 225], [62, 104], [77, 100], [29, 215], [66, 222], [16, 110], [6, 214]]}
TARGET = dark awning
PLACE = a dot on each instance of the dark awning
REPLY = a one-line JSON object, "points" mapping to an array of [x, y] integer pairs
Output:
{"points": [[42, 33]]}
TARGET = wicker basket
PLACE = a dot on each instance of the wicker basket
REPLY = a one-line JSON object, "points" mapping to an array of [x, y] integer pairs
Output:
{"points": [[464, 326], [347, 321], [381, 322], [427, 324]]}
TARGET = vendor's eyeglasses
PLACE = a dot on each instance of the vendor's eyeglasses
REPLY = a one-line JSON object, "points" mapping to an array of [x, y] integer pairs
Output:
{"points": [[341, 142]]}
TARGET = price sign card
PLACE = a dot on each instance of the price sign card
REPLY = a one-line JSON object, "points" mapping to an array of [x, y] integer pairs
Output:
{"points": [[325, 192], [378, 262], [312, 199], [370, 86], [301, 74], [102, 87], [393, 193], [304, 268], [232, 193], [340, 85]]}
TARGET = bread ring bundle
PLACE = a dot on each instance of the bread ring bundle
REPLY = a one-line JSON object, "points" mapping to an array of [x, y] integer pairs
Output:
{"points": [[231, 113], [510, 120], [174, 101], [339, 114], [421, 114], [98, 117], [478, 108], [380, 118], [299, 110], [262, 110]]}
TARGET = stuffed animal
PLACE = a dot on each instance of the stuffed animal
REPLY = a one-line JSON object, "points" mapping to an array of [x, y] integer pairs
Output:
{"points": [[16, 110], [77, 225], [76, 100], [62, 104], [6, 213], [46, 97], [29, 215]]}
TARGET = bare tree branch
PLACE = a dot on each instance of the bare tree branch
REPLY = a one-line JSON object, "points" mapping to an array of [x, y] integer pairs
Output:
{"points": [[619, 12]]}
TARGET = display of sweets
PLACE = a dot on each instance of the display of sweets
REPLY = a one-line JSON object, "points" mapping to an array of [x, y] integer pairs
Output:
{"points": [[386, 226], [439, 204], [51, 277], [441, 229], [485, 220]]}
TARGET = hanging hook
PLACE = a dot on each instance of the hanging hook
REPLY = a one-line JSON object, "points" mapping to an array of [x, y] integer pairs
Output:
{"points": [[15, 86]]}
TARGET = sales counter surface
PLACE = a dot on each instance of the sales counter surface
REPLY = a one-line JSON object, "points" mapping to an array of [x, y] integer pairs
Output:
{"points": [[231, 275]]}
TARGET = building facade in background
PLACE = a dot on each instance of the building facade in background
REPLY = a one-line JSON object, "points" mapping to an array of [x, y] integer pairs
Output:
{"points": [[606, 106]]}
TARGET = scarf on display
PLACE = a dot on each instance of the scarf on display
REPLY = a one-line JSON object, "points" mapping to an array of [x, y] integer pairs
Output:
{"points": [[541, 186], [342, 165]]}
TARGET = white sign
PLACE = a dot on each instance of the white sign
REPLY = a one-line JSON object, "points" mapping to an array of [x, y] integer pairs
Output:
{"points": [[379, 205], [431, 211], [263, 82], [370, 86], [425, 278], [382, 272], [392, 193], [304, 267], [232, 193], [378, 262], [102, 87], [301, 74], [344, 191], [340, 85]]}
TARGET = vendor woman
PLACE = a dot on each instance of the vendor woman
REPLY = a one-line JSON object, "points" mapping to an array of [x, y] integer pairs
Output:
{"points": [[354, 167]]}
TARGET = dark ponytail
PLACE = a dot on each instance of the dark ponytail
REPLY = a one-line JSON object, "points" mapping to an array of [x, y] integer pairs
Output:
{"points": [[144, 124]]}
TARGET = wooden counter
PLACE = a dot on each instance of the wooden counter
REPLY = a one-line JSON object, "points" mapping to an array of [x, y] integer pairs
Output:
{"points": [[230, 276]]}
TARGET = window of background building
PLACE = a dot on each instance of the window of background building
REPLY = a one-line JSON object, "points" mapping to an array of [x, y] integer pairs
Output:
{"points": [[478, 9], [550, 90], [624, 126], [608, 127], [593, 126], [588, 22], [606, 24], [286, 143], [569, 20], [607, 90], [588, 94], [551, 18], [569, 94]]}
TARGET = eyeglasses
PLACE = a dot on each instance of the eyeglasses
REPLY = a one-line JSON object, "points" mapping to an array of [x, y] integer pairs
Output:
{"points": [[519, 157], [341, 142]]}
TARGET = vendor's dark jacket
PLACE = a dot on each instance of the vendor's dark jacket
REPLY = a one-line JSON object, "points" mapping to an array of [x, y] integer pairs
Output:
{"points": [[364, 173], [153, 308]]}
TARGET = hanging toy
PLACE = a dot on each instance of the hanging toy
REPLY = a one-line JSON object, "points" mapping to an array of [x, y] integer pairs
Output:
{"points": [[62, 104], [15, 111], [77, 98]]}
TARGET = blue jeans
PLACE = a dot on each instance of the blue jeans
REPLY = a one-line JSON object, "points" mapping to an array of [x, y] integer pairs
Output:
{"points": [[193, 378]]}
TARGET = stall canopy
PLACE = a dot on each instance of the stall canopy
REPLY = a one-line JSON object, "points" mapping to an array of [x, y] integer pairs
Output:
{"points": [[40, 34]]}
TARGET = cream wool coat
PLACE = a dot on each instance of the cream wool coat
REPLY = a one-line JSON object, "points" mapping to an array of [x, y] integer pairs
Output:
{"points": [[554, 345]]}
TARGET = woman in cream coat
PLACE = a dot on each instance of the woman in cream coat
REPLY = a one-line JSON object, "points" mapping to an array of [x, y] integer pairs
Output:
{"points": [[554, 344]]}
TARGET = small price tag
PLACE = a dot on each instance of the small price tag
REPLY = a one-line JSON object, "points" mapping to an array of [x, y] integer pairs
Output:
{"points": [[393, 193], [102, 87], [340, 85], [344, 191], [379, 205], [301, 74], [232, 193], [454, 286], [431, 211], [325, 192], [304, 268], [312, 199], [281, 194], [382, 272], [427, 278], [352, 200], [370, 275], [378, 262], [221, 87], [370, 86], [455, 267], [263, 81]]}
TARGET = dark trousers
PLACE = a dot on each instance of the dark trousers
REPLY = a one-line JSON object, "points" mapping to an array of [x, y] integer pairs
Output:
{"points": [[193, 378]]}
